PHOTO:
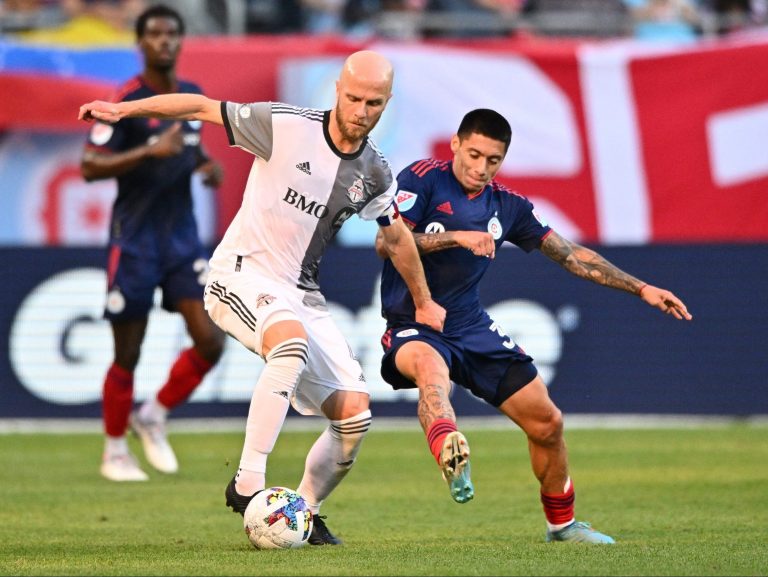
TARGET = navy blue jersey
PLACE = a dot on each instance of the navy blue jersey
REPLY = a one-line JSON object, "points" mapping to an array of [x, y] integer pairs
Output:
{"points": [[432, 200], [152, 213]]}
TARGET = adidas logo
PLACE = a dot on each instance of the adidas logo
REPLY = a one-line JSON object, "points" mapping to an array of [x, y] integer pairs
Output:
{"points": [[445, 207], [304, 167]]}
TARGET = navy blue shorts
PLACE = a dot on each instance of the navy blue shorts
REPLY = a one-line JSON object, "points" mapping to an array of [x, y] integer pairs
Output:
{"points": [[132, 280], [481, 359]]}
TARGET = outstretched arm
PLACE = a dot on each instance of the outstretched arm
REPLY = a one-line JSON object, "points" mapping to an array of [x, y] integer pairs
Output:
{"points": [[588, 264], [396, 241], [167, 106]]}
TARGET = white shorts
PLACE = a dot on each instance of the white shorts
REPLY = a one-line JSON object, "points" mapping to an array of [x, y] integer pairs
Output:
{"points": [[244, 305]]}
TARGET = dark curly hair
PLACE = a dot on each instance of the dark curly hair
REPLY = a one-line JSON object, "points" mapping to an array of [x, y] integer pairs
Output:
{"points": [[158, 11]]}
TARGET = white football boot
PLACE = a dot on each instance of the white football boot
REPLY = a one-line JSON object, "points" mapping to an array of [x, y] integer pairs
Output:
{"points": [[155, 442], [122, 467]]}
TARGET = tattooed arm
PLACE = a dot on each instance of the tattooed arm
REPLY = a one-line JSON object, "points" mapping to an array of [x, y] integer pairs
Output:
{"points": [[478, 242], [588, 264]]}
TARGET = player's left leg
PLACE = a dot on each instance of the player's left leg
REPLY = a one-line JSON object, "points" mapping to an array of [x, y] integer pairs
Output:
{"points": [[333, 386], [334, 453], [533, 410], [187, 372]]}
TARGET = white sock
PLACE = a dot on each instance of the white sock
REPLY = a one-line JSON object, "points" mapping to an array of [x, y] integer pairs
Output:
{"points": [[114, 446], [331, 457], [269, 405], [247, 482], [151, 411], [559, 526]]}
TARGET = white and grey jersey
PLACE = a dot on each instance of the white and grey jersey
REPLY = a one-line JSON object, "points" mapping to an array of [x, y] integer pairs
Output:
{"points": [[300, 191]]}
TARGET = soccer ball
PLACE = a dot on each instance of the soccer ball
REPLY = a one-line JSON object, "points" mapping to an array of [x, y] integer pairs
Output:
{"points": [[277, 518]]}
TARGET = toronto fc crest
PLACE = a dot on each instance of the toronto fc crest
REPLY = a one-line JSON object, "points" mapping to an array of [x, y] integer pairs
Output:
{"points": [[264, 299], [356, 191]]}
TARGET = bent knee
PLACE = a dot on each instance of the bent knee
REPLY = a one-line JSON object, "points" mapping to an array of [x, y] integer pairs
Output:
{"points": [[547, 430], [211, 349], [346, 404]]}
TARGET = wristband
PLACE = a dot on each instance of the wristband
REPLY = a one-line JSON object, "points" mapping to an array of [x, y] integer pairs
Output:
{"points": [[640, 292]]}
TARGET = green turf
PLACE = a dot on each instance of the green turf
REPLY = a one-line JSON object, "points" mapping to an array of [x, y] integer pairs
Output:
{"points": [[679, 502]]}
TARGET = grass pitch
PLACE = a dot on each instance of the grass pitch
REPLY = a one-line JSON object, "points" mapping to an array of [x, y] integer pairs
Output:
{"points": [[678, 502]]}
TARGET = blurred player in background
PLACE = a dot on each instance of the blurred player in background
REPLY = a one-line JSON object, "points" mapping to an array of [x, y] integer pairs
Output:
{"points": [[153, 242], [313, 170], [459, 217]]}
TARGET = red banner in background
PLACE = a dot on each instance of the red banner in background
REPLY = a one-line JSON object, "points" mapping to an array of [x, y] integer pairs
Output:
{"points": [[703, 120], [615, 142]]}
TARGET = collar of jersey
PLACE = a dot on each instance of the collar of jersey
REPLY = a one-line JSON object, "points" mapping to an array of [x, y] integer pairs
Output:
{"points": [[329, 141]]}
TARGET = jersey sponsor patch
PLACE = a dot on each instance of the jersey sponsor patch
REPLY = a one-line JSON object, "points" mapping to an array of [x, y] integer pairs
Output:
{"points": [[101, 133], [542, 222], [407, 333], [244, 111], [405, 200], [434, 227], [494, 227]]}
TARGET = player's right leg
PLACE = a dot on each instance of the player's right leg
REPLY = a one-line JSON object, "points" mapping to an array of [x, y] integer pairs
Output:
{"points": [[286, 358], [131, 283], [277, 335], [118, 463], [423, 365]]}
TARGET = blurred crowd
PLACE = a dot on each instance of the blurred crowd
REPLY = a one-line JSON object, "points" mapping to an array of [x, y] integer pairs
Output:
{"points": [[82, 22]]}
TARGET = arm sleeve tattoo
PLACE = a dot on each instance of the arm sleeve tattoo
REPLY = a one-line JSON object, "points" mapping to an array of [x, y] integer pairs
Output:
{"points": [[588, 264], [427, 243]]}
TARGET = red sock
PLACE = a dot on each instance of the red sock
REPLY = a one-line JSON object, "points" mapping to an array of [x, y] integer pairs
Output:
{"points": [[186, 373], [437, 433], [558, 508], [117, 400]]}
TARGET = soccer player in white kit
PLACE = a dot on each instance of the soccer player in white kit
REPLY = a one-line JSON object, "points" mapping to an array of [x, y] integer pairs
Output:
{"points": [[312, 170]]}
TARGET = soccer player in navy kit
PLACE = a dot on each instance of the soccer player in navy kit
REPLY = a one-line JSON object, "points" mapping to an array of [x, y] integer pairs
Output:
{"points": [[459, 216], [312, 170], [153, 242]]}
